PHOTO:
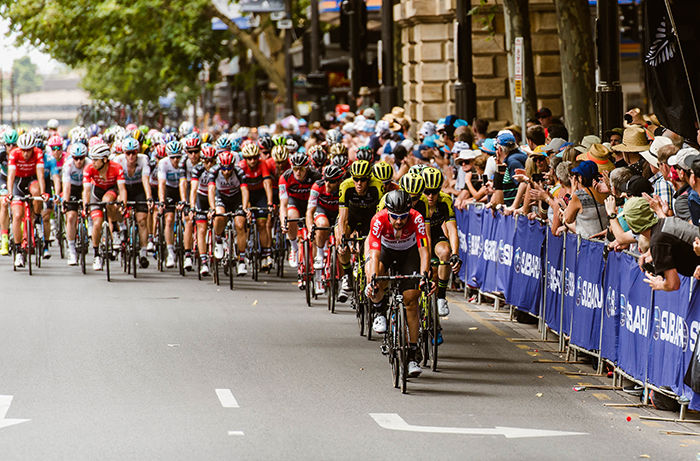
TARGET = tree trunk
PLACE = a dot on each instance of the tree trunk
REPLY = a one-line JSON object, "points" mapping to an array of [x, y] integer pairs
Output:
{"points": [[267, 65], [517, 22], [577, 66]]}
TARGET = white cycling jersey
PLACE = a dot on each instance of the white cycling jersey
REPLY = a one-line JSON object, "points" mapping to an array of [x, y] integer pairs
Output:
{"points": [[141, 170]]}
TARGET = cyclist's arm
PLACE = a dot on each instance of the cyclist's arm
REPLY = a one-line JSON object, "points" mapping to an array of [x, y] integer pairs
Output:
{"points": [[267, 185], [193, 193], [145, 180], [245, 197], [87, 188], [121, 186], [284, 199], [10, 178], [211, 194], [161, 190], [183, 189], [424, 253], [453, 236], [40, 178], [342, 223], [372, 264], [66, 190], [311, 207], [56, 184]]}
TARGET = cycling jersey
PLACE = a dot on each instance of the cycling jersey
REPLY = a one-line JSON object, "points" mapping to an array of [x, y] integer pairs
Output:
{"points": [[421, 206], [114, 175], [172, 175], [363, 204], [383, 235], [25, 168], [321, 197], [3, 164], [253, 179], [390, 186], [187, 166], [201, 175], [141, 170], [73, 174], [290, 187], [227, 187], [50, 166], [443, 212]]}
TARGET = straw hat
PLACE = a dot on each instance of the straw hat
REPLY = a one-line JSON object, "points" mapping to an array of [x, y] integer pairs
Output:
{"points": [[364, 91], [600, 155], [634, 139]]}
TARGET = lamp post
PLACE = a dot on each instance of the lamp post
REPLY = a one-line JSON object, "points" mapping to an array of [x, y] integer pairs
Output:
{"points": [[465, 89], [608, 90], [388, 91]]}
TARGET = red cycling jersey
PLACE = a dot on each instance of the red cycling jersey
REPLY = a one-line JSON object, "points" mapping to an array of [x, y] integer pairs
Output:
{"points": [[299, 190], [383, 234], [321, 197], [25, 168], [253, 179], [114, 176]]}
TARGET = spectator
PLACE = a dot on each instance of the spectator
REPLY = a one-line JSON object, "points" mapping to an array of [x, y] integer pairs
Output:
{"points": [[587, 142], [667, 245], [599, 154], [480, 128], [681, 163], [586, 208], [662, 187], [623, 237], [535, 137], [510, 158], [614, 136], [544, 116], [557, 130], [634, 141]]}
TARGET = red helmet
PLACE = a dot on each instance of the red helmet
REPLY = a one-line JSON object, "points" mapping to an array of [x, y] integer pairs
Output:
{"points": [[192, 142], [208, 151], [225, 158], [160, 151], [55, 141]]}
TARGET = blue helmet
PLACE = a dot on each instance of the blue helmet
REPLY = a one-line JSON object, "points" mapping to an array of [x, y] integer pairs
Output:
{"points": [[93, 130], [130, 145], [77, 150], [222, 143], [173, 149]]}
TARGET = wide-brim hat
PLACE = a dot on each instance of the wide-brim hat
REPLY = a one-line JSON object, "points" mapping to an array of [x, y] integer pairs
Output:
{"points": [[652, 155], [634, 139], [600, 155], [587, 142]]}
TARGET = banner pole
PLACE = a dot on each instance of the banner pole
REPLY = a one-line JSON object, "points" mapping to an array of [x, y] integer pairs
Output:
{"points": [[543, 289], [602, 316], [650, 323], [571, 320], [562, 283]]}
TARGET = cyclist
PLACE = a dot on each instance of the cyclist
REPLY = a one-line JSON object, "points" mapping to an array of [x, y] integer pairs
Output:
{"points": [[265, 143], [193, 147], [398, 241], [414, 185], [25, 177], [322, 211], [137, 173], [103, 181], [357, 204], [199, 201], [52, 179], [277, 164], [72, 192], [226, 194], [319, 158], [258, 182], [157, 154], [4, 212], [443, 233], [294, 187], [384, 172], [365, 153], [171, 191]]}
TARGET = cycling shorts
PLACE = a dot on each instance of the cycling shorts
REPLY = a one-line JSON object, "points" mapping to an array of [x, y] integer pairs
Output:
{"points": [[437, 236], [230, 203], [297, 204], [21, 186], [361, 226], [76, 194], [200, 213], [135, 193], [331, 215], [172, 197], [405, 262], [258, 199]]}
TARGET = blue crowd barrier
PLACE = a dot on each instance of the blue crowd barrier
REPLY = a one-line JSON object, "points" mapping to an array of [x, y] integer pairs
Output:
{"points": [[601, 303]]}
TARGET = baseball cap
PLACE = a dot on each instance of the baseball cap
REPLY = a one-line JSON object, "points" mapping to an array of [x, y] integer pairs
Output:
{"points": [[505, 138], [680, 158], [586, 169], [638, 185], [555, 145], [587, 142], [467, 154], [488, 146]]}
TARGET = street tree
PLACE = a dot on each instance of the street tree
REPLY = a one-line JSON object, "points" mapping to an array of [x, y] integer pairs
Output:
{"points": [[25, 79]]}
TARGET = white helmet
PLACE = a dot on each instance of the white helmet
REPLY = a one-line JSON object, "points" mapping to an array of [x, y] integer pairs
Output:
{"points": [[99, 151], [185, 128], [26, 141], [52, 124]]}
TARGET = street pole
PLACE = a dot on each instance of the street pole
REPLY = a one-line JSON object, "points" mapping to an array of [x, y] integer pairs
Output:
{"points": [[388, 91], [609, 90], [465, 89], [353, 10], [288, 63], [315, 74]]}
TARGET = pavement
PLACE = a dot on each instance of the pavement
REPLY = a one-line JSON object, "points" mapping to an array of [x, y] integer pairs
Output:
{"points": [[171, 368]]}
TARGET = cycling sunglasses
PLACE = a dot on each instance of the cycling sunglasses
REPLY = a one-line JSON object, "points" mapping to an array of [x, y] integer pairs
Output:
{"points": [[131, 152], [227, 168], [82, 157], [298, 168], [56, 148], [431, 191], [363, 179], [399, 216]]}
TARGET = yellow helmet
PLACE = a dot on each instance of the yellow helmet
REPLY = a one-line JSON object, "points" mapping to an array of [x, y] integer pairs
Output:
{"points": [[412, 183], [360, 169], [432, 177], [280, 153], [382, 171], [338, 149], [250, 150]]}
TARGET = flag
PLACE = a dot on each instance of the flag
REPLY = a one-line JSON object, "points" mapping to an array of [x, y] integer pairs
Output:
{"points": [[666, 79]]}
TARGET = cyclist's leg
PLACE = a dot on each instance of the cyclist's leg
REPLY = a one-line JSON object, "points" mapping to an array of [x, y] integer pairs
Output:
{"points": [[241, 234], [4, 210], [219, 221], [321, 220], [442, 251]]}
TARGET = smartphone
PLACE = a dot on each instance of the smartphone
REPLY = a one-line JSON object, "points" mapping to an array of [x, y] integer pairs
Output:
{"points": [[628, 118], [484, 178], [538, 177], [502, 168]]}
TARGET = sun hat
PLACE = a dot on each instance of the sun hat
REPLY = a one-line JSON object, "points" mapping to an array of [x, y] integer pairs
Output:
{"points": [[651, 155], [587, 142], [600, 155], [634, 139], [639, 215]]}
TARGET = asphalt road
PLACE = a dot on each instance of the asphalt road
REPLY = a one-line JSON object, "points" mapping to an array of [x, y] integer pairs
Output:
{"points": [[166, 368]]}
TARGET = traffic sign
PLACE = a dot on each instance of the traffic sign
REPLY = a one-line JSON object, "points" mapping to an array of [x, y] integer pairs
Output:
{"points": [[284, 24], [518, 69]]}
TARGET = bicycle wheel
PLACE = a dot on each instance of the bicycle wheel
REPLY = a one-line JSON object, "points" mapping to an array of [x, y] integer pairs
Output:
{"points": [[281, 250], [29, 231], [435, 324], [306, 270], [214, 260], [161, 247], [332, 278], [367, 314], [425, 328], [403, 347], [231, 260], [106, 248], [393, 340], [180, 245], [60, 232], [82, 242], [135, 245], [39, 241], [254, 252]]}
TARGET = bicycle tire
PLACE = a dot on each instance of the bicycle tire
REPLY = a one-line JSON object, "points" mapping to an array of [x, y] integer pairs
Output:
{"points": [[231, 256], [135, 246], [214, 260], [425, 328], [332, 279], [254, 250], [29, 230], [60, 232], [367, 314], [160, 247], [13, 252], [39, 242], [82, 241], [180, 245], [304, 269], [435, 332], [392, 335], [403, 348], [107, 248], [281, 250]]}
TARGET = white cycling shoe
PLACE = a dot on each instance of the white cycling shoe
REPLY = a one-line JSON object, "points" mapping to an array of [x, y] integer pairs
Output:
{"points": [[318, 262], [442, 307], [72, 258], [414, 370], [219, 250], [241, 270], [19, 260], [188, 264], [170, 261], [379, 324], [345, 289], [97, 264], [293, 258]]}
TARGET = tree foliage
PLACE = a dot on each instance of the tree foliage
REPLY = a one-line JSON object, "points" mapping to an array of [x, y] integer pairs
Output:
{"points": [[25, 76]]}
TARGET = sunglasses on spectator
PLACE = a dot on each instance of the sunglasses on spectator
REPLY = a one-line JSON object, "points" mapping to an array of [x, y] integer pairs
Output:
{"points": [[363, 179], [399, 216]]}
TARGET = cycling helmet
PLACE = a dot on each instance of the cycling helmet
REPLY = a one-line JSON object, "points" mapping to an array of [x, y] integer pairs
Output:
{"points": [[130, 145], [360, 169], [10, 137], [192, 142], [250, 150], [225, 158], [52, 124], [334, 136], [265, 143], [279, 140], [398, 202], [173, 149], [432, 177], [318, 156], [93, 130], [40, 143], [418, 168], [95, 140], [341, 161], [138, 135], [160, 151], [208, 151], [143, 128], [77, 150], [3, 148], [299, 159], [169, 137], [365, 153], [333, 173], [338, 149], [222, 143], [292, 145], [382, 171], [280, 153], [26, 141], [412, 183], [207, 137], [99, 151], [108, 136], [185, 128]]}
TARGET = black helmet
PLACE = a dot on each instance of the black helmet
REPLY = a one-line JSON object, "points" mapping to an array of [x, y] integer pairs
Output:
{"points": [[398, 201], [365, 153], [333, 173], [266, 143]]}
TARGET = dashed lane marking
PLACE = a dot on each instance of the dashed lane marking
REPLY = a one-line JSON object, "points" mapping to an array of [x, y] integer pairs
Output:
{"points": [[226, 398]]}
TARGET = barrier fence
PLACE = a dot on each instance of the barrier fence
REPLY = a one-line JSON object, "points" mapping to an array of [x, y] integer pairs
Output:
{"points": [[598, 300]]}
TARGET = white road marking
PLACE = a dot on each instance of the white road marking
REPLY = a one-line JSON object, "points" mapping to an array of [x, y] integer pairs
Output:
{"points": [[392, 421], [235, 433], [226, 398], [5, 402]]}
